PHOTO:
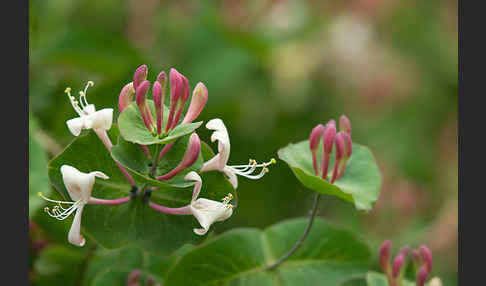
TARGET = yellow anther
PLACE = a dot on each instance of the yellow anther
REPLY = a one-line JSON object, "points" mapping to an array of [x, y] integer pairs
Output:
{"points": [[230, 196], [90, 83], [67, 90], [39, 194], [46, 209], [273, 161], [265, 169]]}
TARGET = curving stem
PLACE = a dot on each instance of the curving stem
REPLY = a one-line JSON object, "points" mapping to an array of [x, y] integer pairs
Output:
{"points": [[304, 236]]}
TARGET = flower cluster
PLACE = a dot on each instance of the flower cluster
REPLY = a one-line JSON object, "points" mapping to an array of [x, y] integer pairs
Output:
{"points": [[344, 148], [421, 259], [79, 185]]}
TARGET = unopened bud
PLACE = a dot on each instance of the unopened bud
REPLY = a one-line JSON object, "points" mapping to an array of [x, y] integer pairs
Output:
{"points": [[139, 76], [345, 124], [329, 135], [162, 79], [185, 92], [426, 255], [141, 93], [348, 145], [404, 251], [176, 86], [384, 255], [159, 105], [133, 277], [422, 276], [198, 101], [190, 156], [126, 96], [339, 145], [315, 137], [397, 265]]}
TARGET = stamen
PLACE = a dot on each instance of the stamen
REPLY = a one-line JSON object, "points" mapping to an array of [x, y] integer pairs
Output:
{"points": [[227, 199], [73, 101], [54, 201], [247, 170]]}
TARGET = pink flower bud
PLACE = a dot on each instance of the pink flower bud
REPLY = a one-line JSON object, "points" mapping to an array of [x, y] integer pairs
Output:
{"points": [[126, 96], [339, 155], [426, 255], [139, 76], [329, 135], [142, 106], [176, 86], [348, 144], [190, 156], [198, 101], [158, 95], [344, 124], [384, 255], [162, 79], [314, 139], [397, 265], [133, 277], [422, 276], [404, 251], [185, 92]]}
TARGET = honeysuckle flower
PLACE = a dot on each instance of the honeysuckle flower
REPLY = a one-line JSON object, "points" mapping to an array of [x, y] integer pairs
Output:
{"points": [[79, 186], [126, 96], [345, 124], [204, 210], [88, 118], [220, 160], [190, 156], [207, 211]]}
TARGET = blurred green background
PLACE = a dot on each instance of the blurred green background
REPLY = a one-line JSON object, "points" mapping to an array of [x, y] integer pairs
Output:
{"points": [[273, 69]]}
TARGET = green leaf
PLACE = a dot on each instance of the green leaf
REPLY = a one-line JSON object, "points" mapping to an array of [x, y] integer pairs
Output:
{"points": [[38, 181], [360, 183], [379, 279], [133, 129], [133, 223], [329, 256]]}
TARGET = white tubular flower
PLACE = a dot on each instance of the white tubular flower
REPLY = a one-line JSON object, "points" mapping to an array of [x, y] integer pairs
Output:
{"points": [[220, 160], [79, 186], [88, 118], [207, 211]]}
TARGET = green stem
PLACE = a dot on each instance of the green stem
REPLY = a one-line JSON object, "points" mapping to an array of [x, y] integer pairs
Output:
{"points": [[304, 236]]}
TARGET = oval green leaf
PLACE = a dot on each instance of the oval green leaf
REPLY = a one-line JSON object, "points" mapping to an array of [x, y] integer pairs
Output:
{"points": [[133, 129], [360, 183], [329, 256]]}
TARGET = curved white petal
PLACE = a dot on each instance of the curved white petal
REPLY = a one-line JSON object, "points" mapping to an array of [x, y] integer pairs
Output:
{"points": [[230, 174], [74, 235], [221, 135], [78, 184], [99, 175], [207, 212], [75, 125], [100, 119], [212, 164], [193, 176]]}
